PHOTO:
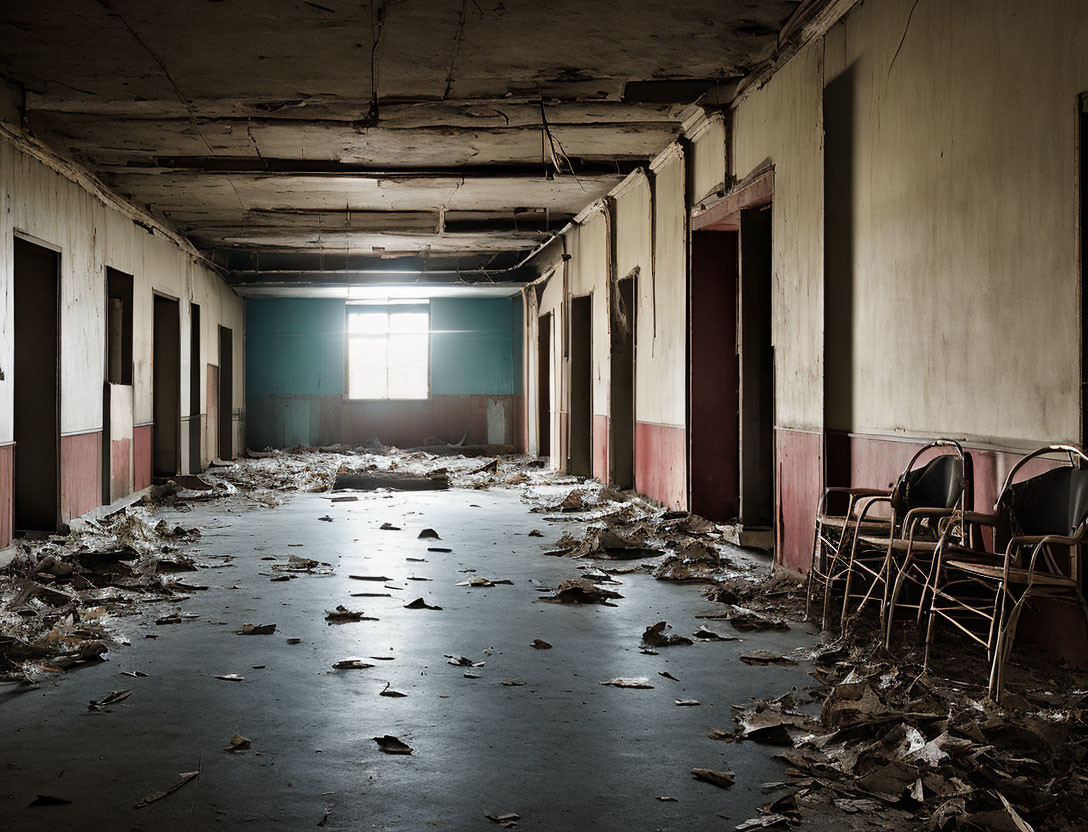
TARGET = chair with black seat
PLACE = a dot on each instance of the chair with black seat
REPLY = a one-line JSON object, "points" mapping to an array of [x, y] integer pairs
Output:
{"points": [[835, 535], [925, 495], [1038, 525]]}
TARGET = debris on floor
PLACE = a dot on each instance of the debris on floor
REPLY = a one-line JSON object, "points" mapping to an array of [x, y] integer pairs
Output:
{"points": [[392, 745], [484, 582], [185, 778], [509, 820], [643, 684], [540, 644], [342, 615], [420, 604], [721, 779], [581, 591], [238, 743], [662, 635], [113, 698], [461, 661]]}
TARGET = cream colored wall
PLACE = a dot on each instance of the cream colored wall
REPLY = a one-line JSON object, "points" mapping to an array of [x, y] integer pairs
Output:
{"points": [[966, 301], [783, 122], [707, 162], [662, 303], [589, 275], [40, 202], [661, 387]]}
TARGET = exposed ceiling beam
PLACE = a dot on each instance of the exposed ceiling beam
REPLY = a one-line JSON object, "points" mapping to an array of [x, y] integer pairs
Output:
{"points": [[319, 167]]}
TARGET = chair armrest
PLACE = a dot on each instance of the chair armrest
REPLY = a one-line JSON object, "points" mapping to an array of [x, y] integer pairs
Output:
{"points": [[979, 518], [1046, 539], [858, 492], [918, 513]]}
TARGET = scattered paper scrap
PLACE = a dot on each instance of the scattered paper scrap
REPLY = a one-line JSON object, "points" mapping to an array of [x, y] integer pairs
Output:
{"points": [[628, 683], [185, 777], [238, 743], [420, 604], [256, 630], [392, 745], [721, 779], [113, 698]]}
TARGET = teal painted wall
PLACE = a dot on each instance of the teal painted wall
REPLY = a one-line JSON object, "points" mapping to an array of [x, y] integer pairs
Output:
{"points": [[475, 346], [295, 362]]}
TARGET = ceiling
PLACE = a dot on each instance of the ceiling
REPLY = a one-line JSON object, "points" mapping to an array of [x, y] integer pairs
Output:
{"points": [[331, 142]]}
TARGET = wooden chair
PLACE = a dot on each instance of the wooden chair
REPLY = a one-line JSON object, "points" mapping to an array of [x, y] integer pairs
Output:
{"points": [[1038, 525], [925, 494]]}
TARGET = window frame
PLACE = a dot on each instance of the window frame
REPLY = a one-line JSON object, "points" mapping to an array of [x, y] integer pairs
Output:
{"points": [[389, 307]]}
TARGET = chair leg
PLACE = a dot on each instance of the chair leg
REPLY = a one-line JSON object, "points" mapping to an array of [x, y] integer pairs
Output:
{"points": [[817, 544], [932, 615], [889, 616], [1003, 646], [929, 634]]}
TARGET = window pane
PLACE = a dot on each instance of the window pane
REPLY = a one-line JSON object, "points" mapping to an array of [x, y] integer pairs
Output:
{"points": [[408, 350], [368, 322], [408, 383], [409, 321], [366, 383], [367, 352]]}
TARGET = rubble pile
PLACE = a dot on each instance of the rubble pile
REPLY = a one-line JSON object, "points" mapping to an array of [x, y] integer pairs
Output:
{"points": [[906, 749], [59, 595]]}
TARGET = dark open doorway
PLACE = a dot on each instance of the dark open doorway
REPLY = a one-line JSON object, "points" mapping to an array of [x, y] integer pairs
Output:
{"points": [[36, 480], [581, 386], [166, 386], [226, 392], [714, 432], [756, 369], [544, 385], [117, 411], [194, 388], [622, 394]]}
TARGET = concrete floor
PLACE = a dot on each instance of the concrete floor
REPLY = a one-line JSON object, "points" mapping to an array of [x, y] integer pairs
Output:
{"points": [[563, 752]]}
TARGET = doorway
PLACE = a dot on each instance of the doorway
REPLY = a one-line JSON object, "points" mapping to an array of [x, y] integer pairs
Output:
{"points": [[194, 389], [581, 386], [622, 403], [715, 375], [226, 393], [36, 476], [756, 369], [166, 386], [544, 385]]}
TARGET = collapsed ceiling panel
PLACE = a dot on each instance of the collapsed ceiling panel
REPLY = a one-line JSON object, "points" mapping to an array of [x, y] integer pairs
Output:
{"points": [[365, 126]]}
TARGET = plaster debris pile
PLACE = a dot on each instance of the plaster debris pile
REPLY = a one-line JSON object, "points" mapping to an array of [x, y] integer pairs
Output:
{"points": [[62, 596], [906, 749]]}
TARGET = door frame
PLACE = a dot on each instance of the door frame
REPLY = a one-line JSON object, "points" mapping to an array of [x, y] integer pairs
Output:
{"points": [[18, 234], [755, 191]]}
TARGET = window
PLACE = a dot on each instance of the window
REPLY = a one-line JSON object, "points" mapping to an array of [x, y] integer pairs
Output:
{"points": [[388, 351]]}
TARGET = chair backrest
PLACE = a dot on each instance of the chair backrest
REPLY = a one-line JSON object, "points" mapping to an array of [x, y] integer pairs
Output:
{"points": [[941, 482], [1053, 502]]}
